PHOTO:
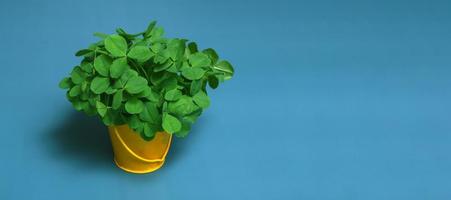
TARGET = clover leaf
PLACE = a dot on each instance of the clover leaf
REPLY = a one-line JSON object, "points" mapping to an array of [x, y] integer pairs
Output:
{"points": [[150, 113], [77, 75], [171, 124], [101, 108], [173, 95], [116, 45], [100, 85], [134, 106], [226, 67], [213, 81], [75, 91], [102, 64], [201, 99], [65, 83], [136, 84], [117, 99], [118, 67], [199, 60], [140, 53], [211, 53], [193, 73]]}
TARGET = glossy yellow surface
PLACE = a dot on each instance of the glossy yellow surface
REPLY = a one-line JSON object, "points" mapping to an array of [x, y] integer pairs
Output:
{"points": [[134, 154]]}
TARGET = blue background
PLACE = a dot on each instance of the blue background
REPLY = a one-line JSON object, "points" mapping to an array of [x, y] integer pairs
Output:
{"points": [[331, 100]]}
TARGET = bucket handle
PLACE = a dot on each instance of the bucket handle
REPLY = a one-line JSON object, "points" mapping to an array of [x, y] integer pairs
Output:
{"points": [[136, 155]]}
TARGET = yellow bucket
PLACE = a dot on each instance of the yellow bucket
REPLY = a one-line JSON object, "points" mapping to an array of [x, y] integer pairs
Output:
{"points": [[134, 154]]}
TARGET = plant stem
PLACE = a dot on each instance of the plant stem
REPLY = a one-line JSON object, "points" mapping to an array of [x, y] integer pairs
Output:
{"points": [[142, 69]]}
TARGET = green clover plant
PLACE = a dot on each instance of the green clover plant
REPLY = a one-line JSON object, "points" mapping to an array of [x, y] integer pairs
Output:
{"points": [[145, 80]]}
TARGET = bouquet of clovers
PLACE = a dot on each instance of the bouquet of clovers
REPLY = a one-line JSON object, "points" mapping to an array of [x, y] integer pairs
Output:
{"points": [[145, 80]]}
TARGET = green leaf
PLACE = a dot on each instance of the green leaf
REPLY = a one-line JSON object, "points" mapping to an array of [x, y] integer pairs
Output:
{"points": [[171, 124], [99, 85], [160, 58], [84, 86], [118, 67], [134, 106], [169, 83], [201, 99], [211, 54], [156, 34], [199, 60], [164, 107], [117, 99], [149, 94], [193, 73], [136, 85], [192, 47], [83, 94], [75, 91], [162, 67], [65, 83], [195, 86], [186, 127], [178, 65], [127, 75], [140, 53], [149, 132], [134, 122], [116, 45], [213, 81], [77, 76], [87, 67], [172, 69], [83, 52], [144, 93], [156, 47], [159, 77], [108, 118], [124, 34], [101, 108], [77, 104], [139, 42], [101, 35], [184, 65], [226, 67], [192, 117], [93, 99], [173, 95], [176, 48], [150, 113], [110, 90], [183, 106], [88, 109], [149, 29], [119, 84], [102, 64]]}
